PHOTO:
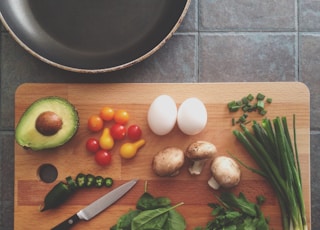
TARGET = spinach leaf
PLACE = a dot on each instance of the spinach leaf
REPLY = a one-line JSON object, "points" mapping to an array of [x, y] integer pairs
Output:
{"points": [[175, 221], [148, 202], [152, 219], [162, 202], [145, 201], [151, 214], [124, 222]]}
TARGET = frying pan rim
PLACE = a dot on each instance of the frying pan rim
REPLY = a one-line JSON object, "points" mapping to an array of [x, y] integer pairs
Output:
{"points": [[98, 70]]}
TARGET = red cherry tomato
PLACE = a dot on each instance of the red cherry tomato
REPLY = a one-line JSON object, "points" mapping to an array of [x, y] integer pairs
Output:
{"points": [[134, 132], [118, 132], [92, 145], [103, 157]]}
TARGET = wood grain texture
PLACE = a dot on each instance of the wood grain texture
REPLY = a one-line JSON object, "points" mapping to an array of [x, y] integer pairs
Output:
{"points": [[72, 158]]}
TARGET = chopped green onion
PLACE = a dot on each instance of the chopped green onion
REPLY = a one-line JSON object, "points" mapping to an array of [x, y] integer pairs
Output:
{"points": [[269, 100], [243, 118], [247, 122], [245, 100], [260, 96], [263, 112], [246, 105], [233, 106], [250, 97], [260, 105], [246, 108]]}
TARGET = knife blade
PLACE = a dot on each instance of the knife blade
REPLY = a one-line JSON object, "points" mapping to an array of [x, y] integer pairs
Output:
{"points": [[97, 206]]}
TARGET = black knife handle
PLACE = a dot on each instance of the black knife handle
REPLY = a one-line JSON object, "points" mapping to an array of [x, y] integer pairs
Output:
{"points": [[68, 223]]}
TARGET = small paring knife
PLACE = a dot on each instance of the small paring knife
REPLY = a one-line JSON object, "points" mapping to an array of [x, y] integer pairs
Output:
{"points": [[97, 206]]}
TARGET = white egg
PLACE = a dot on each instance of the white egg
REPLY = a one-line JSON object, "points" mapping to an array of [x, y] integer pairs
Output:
{"points": [[162, 115], [192, 116]]}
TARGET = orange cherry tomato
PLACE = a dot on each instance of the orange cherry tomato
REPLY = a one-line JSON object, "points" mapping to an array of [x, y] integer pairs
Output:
{"points": [[107, 113], [121, 117], [95, 123]]}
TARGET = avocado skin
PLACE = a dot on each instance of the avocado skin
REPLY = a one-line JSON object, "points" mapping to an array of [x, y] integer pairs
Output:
{"points": [[26, 133]]}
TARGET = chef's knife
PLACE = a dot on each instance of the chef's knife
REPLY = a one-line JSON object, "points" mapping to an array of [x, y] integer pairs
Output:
{"points": [[97, 206]]}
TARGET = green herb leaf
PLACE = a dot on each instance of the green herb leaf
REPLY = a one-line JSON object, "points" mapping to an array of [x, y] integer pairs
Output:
{"points": [[152, 219], [145, 201], [124, 222], [236, 213], [175, 221]]}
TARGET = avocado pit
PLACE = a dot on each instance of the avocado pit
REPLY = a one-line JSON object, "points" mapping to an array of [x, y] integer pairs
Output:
{"points": [[48, 123]]}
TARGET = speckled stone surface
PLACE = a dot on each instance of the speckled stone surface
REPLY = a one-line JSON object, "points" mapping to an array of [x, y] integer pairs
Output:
{"points": [[218, 41], [246, 57], [244, 15]]}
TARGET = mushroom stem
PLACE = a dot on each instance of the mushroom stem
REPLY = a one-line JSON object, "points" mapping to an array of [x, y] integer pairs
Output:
{"points": [[213, 183], [197, 166], [199, 153]]}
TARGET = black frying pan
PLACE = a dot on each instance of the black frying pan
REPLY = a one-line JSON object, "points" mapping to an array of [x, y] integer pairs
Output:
{"points": [[92, 35]]}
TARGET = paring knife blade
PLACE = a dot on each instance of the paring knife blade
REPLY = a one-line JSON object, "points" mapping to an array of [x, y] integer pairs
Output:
{"points": [[97, 206]]}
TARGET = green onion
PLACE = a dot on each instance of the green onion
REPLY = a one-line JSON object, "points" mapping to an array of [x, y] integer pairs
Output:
{"points": [[260, 105], [269, 100], [250, 97], [270, 145], [233, 106], [246, 104], [245, 100], [260, 97], [246, 108], [233, 121], [243, 118], [263, 112]]}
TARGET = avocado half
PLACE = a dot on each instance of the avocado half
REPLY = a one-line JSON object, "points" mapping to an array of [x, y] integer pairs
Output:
{"points": [[47, 123]]}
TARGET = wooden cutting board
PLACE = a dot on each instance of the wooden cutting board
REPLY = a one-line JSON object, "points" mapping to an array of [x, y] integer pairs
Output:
{"points": [[72, 158]]}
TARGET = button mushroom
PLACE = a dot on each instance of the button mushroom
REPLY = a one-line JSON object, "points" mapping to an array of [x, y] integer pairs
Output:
{"points": [[225, 173], [199, 153], [168, 162]]}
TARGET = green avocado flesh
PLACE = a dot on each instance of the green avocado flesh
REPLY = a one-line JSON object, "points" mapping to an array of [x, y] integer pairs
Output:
{"points": [[27, 132]]}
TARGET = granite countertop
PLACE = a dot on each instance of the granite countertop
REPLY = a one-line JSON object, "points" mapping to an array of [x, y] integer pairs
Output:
{"points": [[218, 41]]}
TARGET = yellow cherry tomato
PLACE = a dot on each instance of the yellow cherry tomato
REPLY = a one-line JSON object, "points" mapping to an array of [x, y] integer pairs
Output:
{"points": [[129, 150], [106, 141]]}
